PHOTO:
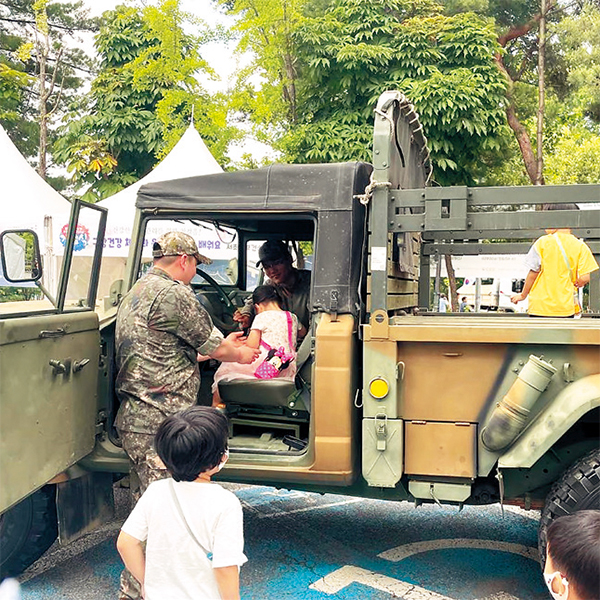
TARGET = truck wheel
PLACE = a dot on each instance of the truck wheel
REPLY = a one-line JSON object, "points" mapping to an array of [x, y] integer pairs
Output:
{"points": [[27, 530], [577, 489]]}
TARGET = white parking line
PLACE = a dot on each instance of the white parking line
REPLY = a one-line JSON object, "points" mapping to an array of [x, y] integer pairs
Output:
{"points": [[401, 552], [341, 578], [337, 580]]}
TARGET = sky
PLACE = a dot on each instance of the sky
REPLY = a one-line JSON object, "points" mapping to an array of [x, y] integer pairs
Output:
{"points": [[220, 56]]}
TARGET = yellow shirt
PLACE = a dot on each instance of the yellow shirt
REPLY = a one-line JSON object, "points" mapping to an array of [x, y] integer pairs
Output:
{"points": [[552, 294]]}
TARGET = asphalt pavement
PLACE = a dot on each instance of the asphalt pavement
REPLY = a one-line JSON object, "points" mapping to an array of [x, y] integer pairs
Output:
{"points": [[310, 546]]}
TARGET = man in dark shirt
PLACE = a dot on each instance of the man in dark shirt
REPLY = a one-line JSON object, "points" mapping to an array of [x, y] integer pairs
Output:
{"points": [[292, 284]]}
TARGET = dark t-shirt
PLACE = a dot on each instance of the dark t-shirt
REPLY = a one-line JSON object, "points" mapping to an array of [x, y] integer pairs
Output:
{"points": [[297, 302]]}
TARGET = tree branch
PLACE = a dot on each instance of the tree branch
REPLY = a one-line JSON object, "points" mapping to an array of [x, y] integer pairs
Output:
{"points": [[524, 28], [53, 80], [520, 131], [51, 25]]}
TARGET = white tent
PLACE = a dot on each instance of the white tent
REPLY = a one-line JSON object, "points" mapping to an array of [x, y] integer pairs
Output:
{"points": [[190, 157], [28, 202], [26, 199]]}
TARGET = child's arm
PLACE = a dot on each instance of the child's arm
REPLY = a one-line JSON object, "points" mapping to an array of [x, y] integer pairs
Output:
{"points": [[302, 331], [228, 580], [582, 280], [254, 338], [529, 281], [132, 553]]}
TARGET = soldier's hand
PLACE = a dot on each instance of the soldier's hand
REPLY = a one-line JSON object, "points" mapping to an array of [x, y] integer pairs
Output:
{"points": [[247, 354], [243, 319], [237, 338]]}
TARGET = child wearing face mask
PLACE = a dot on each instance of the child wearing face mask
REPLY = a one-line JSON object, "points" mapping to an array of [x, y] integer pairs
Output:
{"points": [[572, 570], [192, 527]]}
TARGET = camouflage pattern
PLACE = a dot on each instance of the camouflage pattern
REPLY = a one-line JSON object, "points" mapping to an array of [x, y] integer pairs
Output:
{"points": [[296, 299], [160, 328], [129, 588], [176, 243], [145, 468]]}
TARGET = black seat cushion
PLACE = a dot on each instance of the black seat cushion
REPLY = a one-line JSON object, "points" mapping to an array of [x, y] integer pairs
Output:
{"points": [[271, 392]]}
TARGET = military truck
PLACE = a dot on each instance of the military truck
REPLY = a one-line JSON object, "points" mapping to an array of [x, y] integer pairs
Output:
{"points": [[392, 400]]}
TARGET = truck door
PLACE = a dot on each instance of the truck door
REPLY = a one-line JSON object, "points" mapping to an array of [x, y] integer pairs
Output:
{"points": [[49, 357]]}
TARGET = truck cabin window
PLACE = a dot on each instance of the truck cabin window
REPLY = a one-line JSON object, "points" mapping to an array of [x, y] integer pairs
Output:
{"points": [[247, 251]]}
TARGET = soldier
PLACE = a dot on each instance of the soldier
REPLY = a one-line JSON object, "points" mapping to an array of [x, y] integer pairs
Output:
{"points": [[162, 332], [293, 285]]}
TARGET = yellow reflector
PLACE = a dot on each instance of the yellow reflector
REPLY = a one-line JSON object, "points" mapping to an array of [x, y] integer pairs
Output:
{"points": [[379, 388]]}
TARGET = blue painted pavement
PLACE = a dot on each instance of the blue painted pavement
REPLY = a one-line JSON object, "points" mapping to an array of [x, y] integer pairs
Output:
{"points": [[311, 546]]}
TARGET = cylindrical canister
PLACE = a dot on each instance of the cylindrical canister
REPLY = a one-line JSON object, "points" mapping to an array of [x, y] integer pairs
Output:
{"points": [[512, 412]]}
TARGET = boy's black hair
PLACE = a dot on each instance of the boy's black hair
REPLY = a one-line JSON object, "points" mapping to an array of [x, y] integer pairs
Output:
{"points": [[192, 441], [266, 293], [575, 551]]}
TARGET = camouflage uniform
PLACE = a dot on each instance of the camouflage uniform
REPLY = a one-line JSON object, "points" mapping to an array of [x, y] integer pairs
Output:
{"points": [[160, 328]]}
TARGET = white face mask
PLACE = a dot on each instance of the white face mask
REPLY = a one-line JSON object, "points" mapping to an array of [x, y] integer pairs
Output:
{"points": [[549, 578], [223, 460]]}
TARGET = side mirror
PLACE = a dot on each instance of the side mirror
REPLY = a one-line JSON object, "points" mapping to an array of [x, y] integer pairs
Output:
{"points": [[20, 253]]}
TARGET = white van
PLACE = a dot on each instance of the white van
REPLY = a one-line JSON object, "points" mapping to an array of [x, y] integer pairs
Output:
{"points": [[495, 293]]}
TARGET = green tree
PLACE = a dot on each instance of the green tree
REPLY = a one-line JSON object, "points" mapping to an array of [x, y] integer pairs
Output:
{"points": [[444, 64], [265, 30], [577, 42], [347, 52], [571, 70], [575, 140], [141, 100], [41, 68]]}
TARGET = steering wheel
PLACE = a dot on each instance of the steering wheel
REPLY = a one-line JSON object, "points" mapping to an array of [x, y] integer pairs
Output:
{"points": [[227, 324]]}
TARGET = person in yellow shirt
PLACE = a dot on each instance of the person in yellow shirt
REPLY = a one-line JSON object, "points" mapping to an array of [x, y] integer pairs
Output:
{"points": [[559, 264]]}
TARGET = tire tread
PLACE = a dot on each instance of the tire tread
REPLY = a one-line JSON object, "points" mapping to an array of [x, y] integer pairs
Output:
{"points": [[41, 535], [577, 489]]}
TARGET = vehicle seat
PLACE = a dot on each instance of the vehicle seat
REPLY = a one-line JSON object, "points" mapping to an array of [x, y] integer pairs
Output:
{"points": [[257, 392], [273, 398]]}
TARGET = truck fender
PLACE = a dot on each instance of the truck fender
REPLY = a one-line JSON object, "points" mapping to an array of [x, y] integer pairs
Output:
{"points": [[554, 420]]}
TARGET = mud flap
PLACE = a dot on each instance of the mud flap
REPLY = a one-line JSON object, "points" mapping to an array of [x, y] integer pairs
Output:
{"points": [[83, 504], [382, 450]]}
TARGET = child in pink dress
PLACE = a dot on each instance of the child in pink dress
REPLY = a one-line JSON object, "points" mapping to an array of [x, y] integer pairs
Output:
{"points": [[270, 326]]}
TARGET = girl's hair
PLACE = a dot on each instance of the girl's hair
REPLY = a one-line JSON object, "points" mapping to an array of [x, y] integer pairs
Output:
{"points": [[266, 293], [192, 441]]}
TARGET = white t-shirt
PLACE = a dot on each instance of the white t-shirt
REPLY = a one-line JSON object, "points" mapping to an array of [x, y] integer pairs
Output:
{"points": [[176, 567]]}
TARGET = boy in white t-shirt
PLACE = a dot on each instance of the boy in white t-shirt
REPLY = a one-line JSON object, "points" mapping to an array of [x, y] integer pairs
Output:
{"points": [[193, 528]]}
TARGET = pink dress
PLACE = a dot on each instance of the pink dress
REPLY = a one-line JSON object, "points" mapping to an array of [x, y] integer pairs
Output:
{"points": [[274, 331]]}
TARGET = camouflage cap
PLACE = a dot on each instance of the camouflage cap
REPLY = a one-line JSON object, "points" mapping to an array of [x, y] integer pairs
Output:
{"points": [[177, 243]]}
